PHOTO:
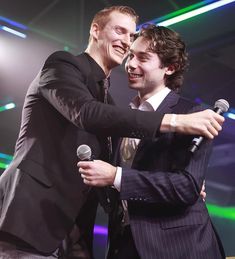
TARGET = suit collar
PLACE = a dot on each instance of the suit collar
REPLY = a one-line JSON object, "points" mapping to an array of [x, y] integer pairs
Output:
{"points": [[152, 103], [168, 103], [97, 71], [93, 75]]}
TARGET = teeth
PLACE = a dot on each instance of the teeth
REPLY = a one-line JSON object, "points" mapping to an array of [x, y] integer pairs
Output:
{"points": [[120, 50], [135, 75]]}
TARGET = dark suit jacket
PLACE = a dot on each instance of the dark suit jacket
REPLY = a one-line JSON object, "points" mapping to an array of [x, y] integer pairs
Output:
{"points": [[168, 218], [41, 192]]}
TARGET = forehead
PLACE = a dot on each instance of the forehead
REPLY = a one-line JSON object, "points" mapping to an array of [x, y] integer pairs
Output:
{"points": [[123, 20], [140, 45]]}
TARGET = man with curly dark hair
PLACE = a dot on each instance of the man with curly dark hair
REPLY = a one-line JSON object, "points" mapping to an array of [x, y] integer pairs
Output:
{"points": [[158, 181]]}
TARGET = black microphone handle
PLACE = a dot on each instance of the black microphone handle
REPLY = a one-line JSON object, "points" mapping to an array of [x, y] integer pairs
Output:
{"points": [[196, 142], [218, 110], [102, 193]]}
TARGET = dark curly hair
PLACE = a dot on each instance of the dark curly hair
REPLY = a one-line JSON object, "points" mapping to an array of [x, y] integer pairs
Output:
{"points": [[170, 49]]}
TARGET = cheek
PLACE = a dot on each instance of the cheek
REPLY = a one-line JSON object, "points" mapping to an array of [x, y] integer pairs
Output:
{"points": [[111, 37], [146, 71], [154, 71], [105, 38]]}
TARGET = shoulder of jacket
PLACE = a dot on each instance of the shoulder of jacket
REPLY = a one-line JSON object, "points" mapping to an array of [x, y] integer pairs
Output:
{"points": [[60, 56], [79, 62], [185, 105]]}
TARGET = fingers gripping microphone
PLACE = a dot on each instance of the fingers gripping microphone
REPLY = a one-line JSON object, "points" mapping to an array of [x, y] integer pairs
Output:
{"points": [[84, 154], [221, 106]]}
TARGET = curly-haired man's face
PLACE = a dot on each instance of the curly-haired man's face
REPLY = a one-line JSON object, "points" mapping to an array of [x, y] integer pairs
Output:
{"points": [[144, 70]]}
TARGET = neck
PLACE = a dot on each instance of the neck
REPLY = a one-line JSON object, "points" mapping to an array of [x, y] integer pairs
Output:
{"points": [[95, 54], [145, 95]]}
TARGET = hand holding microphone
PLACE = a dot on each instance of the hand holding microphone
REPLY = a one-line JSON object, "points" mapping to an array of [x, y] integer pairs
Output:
{"points": [[96, 173], [221, 106]]}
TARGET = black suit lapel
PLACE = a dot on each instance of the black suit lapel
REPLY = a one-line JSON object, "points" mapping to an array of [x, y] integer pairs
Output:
{"points": [[92, 85]]}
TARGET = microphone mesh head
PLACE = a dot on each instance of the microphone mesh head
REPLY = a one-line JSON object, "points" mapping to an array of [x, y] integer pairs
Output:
{"points": [[222, 104], [84, 152]]}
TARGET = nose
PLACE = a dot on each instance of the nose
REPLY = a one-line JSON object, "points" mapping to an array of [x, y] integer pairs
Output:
{"points": [[126, 41], [131, 64]]}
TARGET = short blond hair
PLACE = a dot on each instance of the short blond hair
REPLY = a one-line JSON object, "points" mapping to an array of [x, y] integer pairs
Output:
{"points": [[102, 17]]}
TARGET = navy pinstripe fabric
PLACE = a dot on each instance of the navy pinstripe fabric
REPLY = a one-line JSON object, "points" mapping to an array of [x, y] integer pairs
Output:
{"points": [[168, 218]]}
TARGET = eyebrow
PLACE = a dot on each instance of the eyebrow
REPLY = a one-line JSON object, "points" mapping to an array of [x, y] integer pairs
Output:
{"points": [[140, 53], [124, 30]]}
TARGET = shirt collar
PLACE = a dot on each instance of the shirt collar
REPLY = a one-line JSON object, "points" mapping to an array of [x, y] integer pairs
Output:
{"points": [[152, 103]]}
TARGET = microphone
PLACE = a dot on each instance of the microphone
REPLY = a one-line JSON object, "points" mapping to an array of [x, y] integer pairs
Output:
{"points": [[84, 154], [221, 106]]}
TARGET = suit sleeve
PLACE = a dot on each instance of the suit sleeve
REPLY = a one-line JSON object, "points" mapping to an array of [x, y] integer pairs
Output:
{"points": [[63, 85], [180, 185]]}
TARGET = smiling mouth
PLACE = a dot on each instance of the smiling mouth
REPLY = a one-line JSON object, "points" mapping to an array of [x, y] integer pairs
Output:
{"points": [[134, 76], [120, 50]]}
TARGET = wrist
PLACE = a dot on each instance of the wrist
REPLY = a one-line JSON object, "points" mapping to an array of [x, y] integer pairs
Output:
{"points": [[173, 122], [117, 179], [169, 123]]}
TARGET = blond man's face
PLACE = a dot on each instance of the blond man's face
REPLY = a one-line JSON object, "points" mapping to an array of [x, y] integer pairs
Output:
{"points": [[115, 38]]}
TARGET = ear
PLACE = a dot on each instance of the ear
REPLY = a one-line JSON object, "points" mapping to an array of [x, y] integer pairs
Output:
{"points": [[94, 30], [170, 70]]}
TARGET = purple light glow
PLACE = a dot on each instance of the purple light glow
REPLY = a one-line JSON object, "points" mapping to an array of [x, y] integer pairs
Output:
{"points": [[100, 230], [198, 100]]}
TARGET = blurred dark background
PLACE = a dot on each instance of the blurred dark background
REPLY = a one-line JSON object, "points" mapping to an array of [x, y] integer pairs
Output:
{"points": [[64, 24]]}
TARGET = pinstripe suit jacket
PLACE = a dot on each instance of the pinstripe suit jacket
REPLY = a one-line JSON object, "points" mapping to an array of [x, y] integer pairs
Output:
{"points": [[168, 218]]}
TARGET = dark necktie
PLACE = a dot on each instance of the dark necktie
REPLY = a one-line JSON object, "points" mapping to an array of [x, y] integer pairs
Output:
{"points": [[106, 85], [105, 195]]}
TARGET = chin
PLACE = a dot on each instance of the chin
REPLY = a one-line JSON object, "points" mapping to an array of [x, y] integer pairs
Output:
{"points": [[118, 60], [133, 86]]}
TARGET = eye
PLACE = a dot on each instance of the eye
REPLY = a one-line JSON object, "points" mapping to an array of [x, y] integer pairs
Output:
{"points": [[118, 30], [143, 59]]}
